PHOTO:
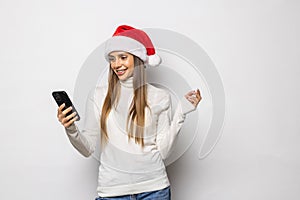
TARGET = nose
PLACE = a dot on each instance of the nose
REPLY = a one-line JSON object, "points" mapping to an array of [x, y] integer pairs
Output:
{"points": [[117, 63]]}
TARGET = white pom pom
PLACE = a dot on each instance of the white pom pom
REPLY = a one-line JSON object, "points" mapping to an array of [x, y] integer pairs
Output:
{"points": [[154, 60]]}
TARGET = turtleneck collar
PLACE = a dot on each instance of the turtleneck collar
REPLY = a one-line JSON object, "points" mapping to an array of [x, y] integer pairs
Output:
{"points": [[128, 83]]}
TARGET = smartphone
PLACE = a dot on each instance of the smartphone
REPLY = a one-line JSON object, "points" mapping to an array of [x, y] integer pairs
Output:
{"points": [[62, 97]]}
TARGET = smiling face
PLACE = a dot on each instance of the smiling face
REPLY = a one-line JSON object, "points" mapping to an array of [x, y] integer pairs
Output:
{"points": [[122, 63]]}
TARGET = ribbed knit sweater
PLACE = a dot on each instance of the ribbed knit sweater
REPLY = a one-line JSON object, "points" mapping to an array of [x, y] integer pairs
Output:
{"points": [[126, 167]]}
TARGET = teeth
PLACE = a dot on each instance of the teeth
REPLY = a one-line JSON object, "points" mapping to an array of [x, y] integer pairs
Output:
{"points": [[120, 70]]}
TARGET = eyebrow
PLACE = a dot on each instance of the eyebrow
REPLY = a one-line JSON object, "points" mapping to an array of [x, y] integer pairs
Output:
{"points": [[118, 55]]}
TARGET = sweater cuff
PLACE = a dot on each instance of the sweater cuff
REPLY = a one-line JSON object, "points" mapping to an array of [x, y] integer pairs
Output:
{"points": [[186, 106], [71, 129]]}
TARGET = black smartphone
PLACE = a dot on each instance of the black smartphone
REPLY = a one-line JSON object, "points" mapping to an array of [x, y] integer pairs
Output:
{"points": [[62, 97]]}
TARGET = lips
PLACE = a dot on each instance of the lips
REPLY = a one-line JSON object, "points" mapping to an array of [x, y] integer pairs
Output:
{"points": [[120, 72]]}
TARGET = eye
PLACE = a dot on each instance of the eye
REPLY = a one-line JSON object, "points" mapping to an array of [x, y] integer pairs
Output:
{"points": [[111, 59], [123, 57]]}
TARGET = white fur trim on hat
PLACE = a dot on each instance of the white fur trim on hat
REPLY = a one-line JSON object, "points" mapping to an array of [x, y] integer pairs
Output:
{"points": [[127, 44]]}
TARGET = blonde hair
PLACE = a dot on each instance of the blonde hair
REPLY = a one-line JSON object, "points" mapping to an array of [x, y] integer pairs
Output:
{"points": [[136, 116]]}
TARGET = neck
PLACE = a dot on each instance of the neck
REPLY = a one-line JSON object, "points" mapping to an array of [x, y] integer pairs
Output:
{"points": [[128, 83]]}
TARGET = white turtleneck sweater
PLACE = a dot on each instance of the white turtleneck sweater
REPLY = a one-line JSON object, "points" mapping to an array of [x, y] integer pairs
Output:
{"points": [[126, 167]]}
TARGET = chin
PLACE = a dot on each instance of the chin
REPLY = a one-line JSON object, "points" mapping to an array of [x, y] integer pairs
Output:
{"points": [[122, 78]]}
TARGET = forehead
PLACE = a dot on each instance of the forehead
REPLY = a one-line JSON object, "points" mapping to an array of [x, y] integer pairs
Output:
{"points": [[118, 53]]}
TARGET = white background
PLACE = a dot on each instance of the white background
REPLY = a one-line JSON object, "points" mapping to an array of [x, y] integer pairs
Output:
{"points": [[254, 44]]}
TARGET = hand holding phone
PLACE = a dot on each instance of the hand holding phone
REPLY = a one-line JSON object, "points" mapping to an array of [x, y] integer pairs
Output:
{"points": [[67, 113]]}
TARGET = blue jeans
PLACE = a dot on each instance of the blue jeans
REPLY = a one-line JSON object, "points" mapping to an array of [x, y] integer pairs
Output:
{"points": [[164, 194]]}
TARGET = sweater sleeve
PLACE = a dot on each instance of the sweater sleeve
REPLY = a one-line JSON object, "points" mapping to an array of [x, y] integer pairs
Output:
{"points": [[167, 128], [85, 140]]}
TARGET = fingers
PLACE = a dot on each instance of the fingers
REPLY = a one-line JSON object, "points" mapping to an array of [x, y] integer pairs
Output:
{"points": [[69, 123], [190, 93], [61, 114], [59, 110], [191, 99], [67, 110], [198, 95], [194, 97], [68, 120]]}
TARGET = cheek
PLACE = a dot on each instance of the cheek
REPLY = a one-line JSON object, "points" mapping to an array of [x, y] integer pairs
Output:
{"points": [[131, 66], [112, 67], [130, 63]]}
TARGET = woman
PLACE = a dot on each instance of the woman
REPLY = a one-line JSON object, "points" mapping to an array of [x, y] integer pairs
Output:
{"points": [[133, 119]]}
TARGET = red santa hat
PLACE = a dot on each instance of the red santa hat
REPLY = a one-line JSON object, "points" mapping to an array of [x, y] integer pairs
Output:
{"points": [[134, 41]]}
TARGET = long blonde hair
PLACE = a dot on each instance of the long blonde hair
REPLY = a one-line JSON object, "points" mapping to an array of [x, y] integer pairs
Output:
{"points": [[136, 116]]}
